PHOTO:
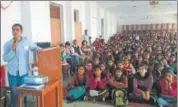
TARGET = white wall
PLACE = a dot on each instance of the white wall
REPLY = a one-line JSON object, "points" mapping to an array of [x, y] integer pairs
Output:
{"points": [[35, 18], [8, 18], [40, 21], [80, 6]]}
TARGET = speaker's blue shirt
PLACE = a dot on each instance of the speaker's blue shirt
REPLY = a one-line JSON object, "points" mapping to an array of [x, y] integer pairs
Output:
{"points": [[18, 60]]}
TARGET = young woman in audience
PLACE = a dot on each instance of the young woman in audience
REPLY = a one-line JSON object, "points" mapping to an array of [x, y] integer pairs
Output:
{"points": [[67, 50], [98, 85], [79, 79], [168, 85], [86, 50], [142, 85], [63, 54], [77, 85], [65, 65]]}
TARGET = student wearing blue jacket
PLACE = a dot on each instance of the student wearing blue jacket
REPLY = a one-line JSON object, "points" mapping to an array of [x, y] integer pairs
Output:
{"points": [[16, 54]]}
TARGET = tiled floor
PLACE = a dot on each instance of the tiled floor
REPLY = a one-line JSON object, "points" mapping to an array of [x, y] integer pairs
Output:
{"points": [[84, 104]]}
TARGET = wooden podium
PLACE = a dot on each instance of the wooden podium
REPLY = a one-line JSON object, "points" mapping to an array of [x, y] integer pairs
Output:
{"points": [[49, 64]]}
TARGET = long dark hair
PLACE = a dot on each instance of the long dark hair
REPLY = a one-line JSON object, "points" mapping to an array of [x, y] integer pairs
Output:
{"points": [[77, 77], [95, 68], [83, 42], [79, 67]]}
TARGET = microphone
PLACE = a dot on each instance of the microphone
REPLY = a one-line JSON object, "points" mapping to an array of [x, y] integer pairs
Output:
{"points": [[15, 42]]}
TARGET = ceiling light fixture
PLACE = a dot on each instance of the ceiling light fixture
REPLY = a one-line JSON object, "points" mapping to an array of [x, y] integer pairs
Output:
{"points": [[153, 3]]}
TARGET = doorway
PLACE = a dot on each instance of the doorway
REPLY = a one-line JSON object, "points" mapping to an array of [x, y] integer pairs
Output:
{"points": [[55, 18], [78, 28]]}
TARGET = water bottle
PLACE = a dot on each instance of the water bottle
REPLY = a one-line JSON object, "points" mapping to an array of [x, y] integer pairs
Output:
{"points": [[35, 71]]}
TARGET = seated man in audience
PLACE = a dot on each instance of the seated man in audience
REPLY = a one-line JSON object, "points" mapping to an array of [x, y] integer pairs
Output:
{"points": [[76, 53], [157, 74], [142, 85], [173, 63]]}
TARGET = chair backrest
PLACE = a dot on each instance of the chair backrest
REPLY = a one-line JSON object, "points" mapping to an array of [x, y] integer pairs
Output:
{"points": [[44, 44]]}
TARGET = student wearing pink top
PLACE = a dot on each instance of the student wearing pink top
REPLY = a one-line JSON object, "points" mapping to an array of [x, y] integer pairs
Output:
{"points": [[99, 84], [168, 85]]}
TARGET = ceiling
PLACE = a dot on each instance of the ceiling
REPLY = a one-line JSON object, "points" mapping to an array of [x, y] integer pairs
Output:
{"points": [[133, 8]]}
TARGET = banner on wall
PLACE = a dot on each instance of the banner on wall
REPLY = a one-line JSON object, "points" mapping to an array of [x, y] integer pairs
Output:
{"points": [[127, 27], [5, 4], [124, 27], [154, 26], [149, 26], [167, 26], [170, 26], [159, 26], [164, 26], [143, 27], [146, 26], [139, 27], [132, 27], [174, 26]]}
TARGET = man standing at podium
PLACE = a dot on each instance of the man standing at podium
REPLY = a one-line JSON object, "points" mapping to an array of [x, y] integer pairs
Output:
{"points": [[16, 54]]}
